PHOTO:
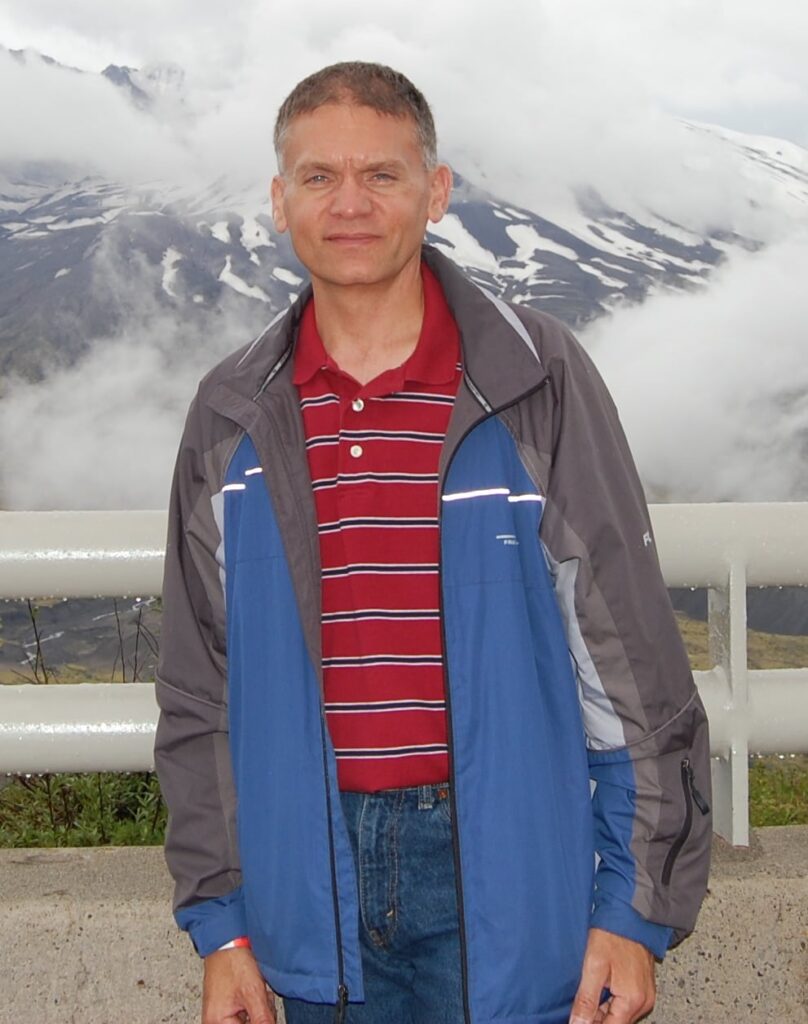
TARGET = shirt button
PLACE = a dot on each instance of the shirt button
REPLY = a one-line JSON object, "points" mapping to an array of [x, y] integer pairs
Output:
{"points": [[357, 405], [356, 450]]}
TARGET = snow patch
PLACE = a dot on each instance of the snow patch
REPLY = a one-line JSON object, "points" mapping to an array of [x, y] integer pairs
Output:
{"points": [[171, 258], [286, 276], [77, 222], [527, 241], [598, 273], [254, 235], [464, 246], [221, 231], [233, 281], [62, 273], [549, 245]]}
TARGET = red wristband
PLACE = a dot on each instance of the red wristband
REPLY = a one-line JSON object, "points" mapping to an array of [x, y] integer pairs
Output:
{"points": [[242, 942]]}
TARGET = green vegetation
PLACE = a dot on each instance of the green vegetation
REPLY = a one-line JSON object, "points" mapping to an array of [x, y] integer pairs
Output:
{"points": [[778, 791], [127, 809], [98, 809], [764, 650]]}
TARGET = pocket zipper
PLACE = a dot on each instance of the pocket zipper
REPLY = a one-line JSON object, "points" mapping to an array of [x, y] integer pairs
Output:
{"points": [[692, 796]]}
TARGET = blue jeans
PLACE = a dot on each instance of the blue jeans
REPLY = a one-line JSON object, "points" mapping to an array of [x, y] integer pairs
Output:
{"points": [[408, 929]]}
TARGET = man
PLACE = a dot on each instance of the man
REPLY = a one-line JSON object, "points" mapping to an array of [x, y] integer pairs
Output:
{"points": [[419, 665]]}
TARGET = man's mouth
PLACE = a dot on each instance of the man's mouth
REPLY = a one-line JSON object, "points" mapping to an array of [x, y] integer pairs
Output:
{"points": [[351, 239]]}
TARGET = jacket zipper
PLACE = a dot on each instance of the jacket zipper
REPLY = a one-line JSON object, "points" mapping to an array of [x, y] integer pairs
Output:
{"points": [[342, 990], [489, 412], [342, 1004], [692, 796], [461, 920]]}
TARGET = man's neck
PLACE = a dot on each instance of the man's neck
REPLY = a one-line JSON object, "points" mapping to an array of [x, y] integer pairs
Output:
{"points": [[367, 329]]}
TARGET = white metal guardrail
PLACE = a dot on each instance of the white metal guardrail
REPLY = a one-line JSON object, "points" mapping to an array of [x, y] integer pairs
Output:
{"points": [[110, 727]]}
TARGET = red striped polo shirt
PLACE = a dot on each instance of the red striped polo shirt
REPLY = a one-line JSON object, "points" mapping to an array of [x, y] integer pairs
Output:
{"points": [[373, 456]]}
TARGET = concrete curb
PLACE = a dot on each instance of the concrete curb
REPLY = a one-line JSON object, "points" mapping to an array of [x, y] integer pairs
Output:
{"points": [[86, 936]]}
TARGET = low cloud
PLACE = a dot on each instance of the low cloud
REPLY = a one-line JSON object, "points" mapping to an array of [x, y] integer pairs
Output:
{"points": [[103, 433], [712, 388], [82, 120]]}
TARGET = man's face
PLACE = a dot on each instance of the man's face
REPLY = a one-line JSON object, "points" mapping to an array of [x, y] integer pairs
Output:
{"points": [[354, 194]]}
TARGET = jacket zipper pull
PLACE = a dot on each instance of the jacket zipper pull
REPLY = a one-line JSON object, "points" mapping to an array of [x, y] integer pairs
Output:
{"points": [[698, 799], [342, 1003]]}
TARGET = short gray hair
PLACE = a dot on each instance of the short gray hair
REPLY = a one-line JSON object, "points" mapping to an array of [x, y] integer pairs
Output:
{"points": [[364, 85]]}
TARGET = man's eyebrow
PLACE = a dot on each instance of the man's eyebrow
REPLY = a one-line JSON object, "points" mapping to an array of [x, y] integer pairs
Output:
{"points": [[317, 166], [384, 165], [312, 166]]}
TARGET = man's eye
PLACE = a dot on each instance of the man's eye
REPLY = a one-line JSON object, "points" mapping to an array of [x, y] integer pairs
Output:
{"points": [[383, 176], [316, 179]]}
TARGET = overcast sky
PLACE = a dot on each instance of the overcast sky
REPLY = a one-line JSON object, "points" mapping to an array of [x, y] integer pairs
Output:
{"points": [[740, 62]]}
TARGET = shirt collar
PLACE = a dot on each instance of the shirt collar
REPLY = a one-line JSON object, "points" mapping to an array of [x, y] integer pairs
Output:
{"points": [[433, 360]]}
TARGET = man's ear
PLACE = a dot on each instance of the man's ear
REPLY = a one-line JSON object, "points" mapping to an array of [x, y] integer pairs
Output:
{"points": [[276, 194], [440, 192]]}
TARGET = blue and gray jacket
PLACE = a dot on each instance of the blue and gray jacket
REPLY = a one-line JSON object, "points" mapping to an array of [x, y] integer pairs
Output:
{"points": [[578, 743]]}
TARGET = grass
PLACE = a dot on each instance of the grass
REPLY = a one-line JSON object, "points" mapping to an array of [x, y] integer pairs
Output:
{"points": [[128, 810], [764, 650], [778, 791], [97, 809]]}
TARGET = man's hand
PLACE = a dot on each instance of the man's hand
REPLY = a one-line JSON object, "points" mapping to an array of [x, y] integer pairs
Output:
{"points": [[626, 968], [234, 990]]}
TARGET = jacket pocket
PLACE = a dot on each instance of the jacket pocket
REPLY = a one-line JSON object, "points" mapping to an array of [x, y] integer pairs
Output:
{"points": [[692, 796]]}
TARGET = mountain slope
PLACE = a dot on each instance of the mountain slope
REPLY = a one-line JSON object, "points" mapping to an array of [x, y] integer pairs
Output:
{"points": [[190, 250], [68, 236]]}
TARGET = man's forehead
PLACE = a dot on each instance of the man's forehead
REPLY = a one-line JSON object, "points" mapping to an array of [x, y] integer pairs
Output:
{"points": [[348, 132]]}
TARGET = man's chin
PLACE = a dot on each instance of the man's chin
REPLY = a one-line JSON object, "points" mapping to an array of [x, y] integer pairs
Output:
{"points": [[352, 272], [358, 269]]}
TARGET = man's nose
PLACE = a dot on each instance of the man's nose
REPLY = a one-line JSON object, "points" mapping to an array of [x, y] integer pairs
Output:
{"points": [[350, 199]]}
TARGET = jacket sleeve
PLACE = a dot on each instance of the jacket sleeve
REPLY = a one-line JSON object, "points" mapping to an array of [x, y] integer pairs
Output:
{"points": [[192, 754], [646, 730]]}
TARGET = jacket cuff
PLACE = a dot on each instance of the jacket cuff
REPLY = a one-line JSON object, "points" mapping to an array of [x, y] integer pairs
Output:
{"points": [[613, 915], [212, 923]]}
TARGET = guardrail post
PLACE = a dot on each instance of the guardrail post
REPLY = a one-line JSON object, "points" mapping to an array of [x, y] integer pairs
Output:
{"points": [[726, 622]]}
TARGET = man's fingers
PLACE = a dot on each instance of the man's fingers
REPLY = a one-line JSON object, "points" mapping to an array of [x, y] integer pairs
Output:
{"points": [[627, 1011], [594, 976], [260, 1005], [627, 968], [235, 990]]}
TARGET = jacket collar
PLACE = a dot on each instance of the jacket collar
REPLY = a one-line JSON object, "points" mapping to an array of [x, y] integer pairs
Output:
{"points": [[499, 356]]}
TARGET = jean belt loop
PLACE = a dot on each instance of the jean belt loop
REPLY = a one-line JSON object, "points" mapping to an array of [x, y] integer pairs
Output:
{"points": [[426, 797]]}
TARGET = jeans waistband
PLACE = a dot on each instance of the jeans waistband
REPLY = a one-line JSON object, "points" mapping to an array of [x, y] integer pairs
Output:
{"points": [[426, 796]]}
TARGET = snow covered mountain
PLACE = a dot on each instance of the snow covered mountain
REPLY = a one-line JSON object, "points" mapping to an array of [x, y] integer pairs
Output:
{"points": [[86, 260], [56, 237], [193, 250]]}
